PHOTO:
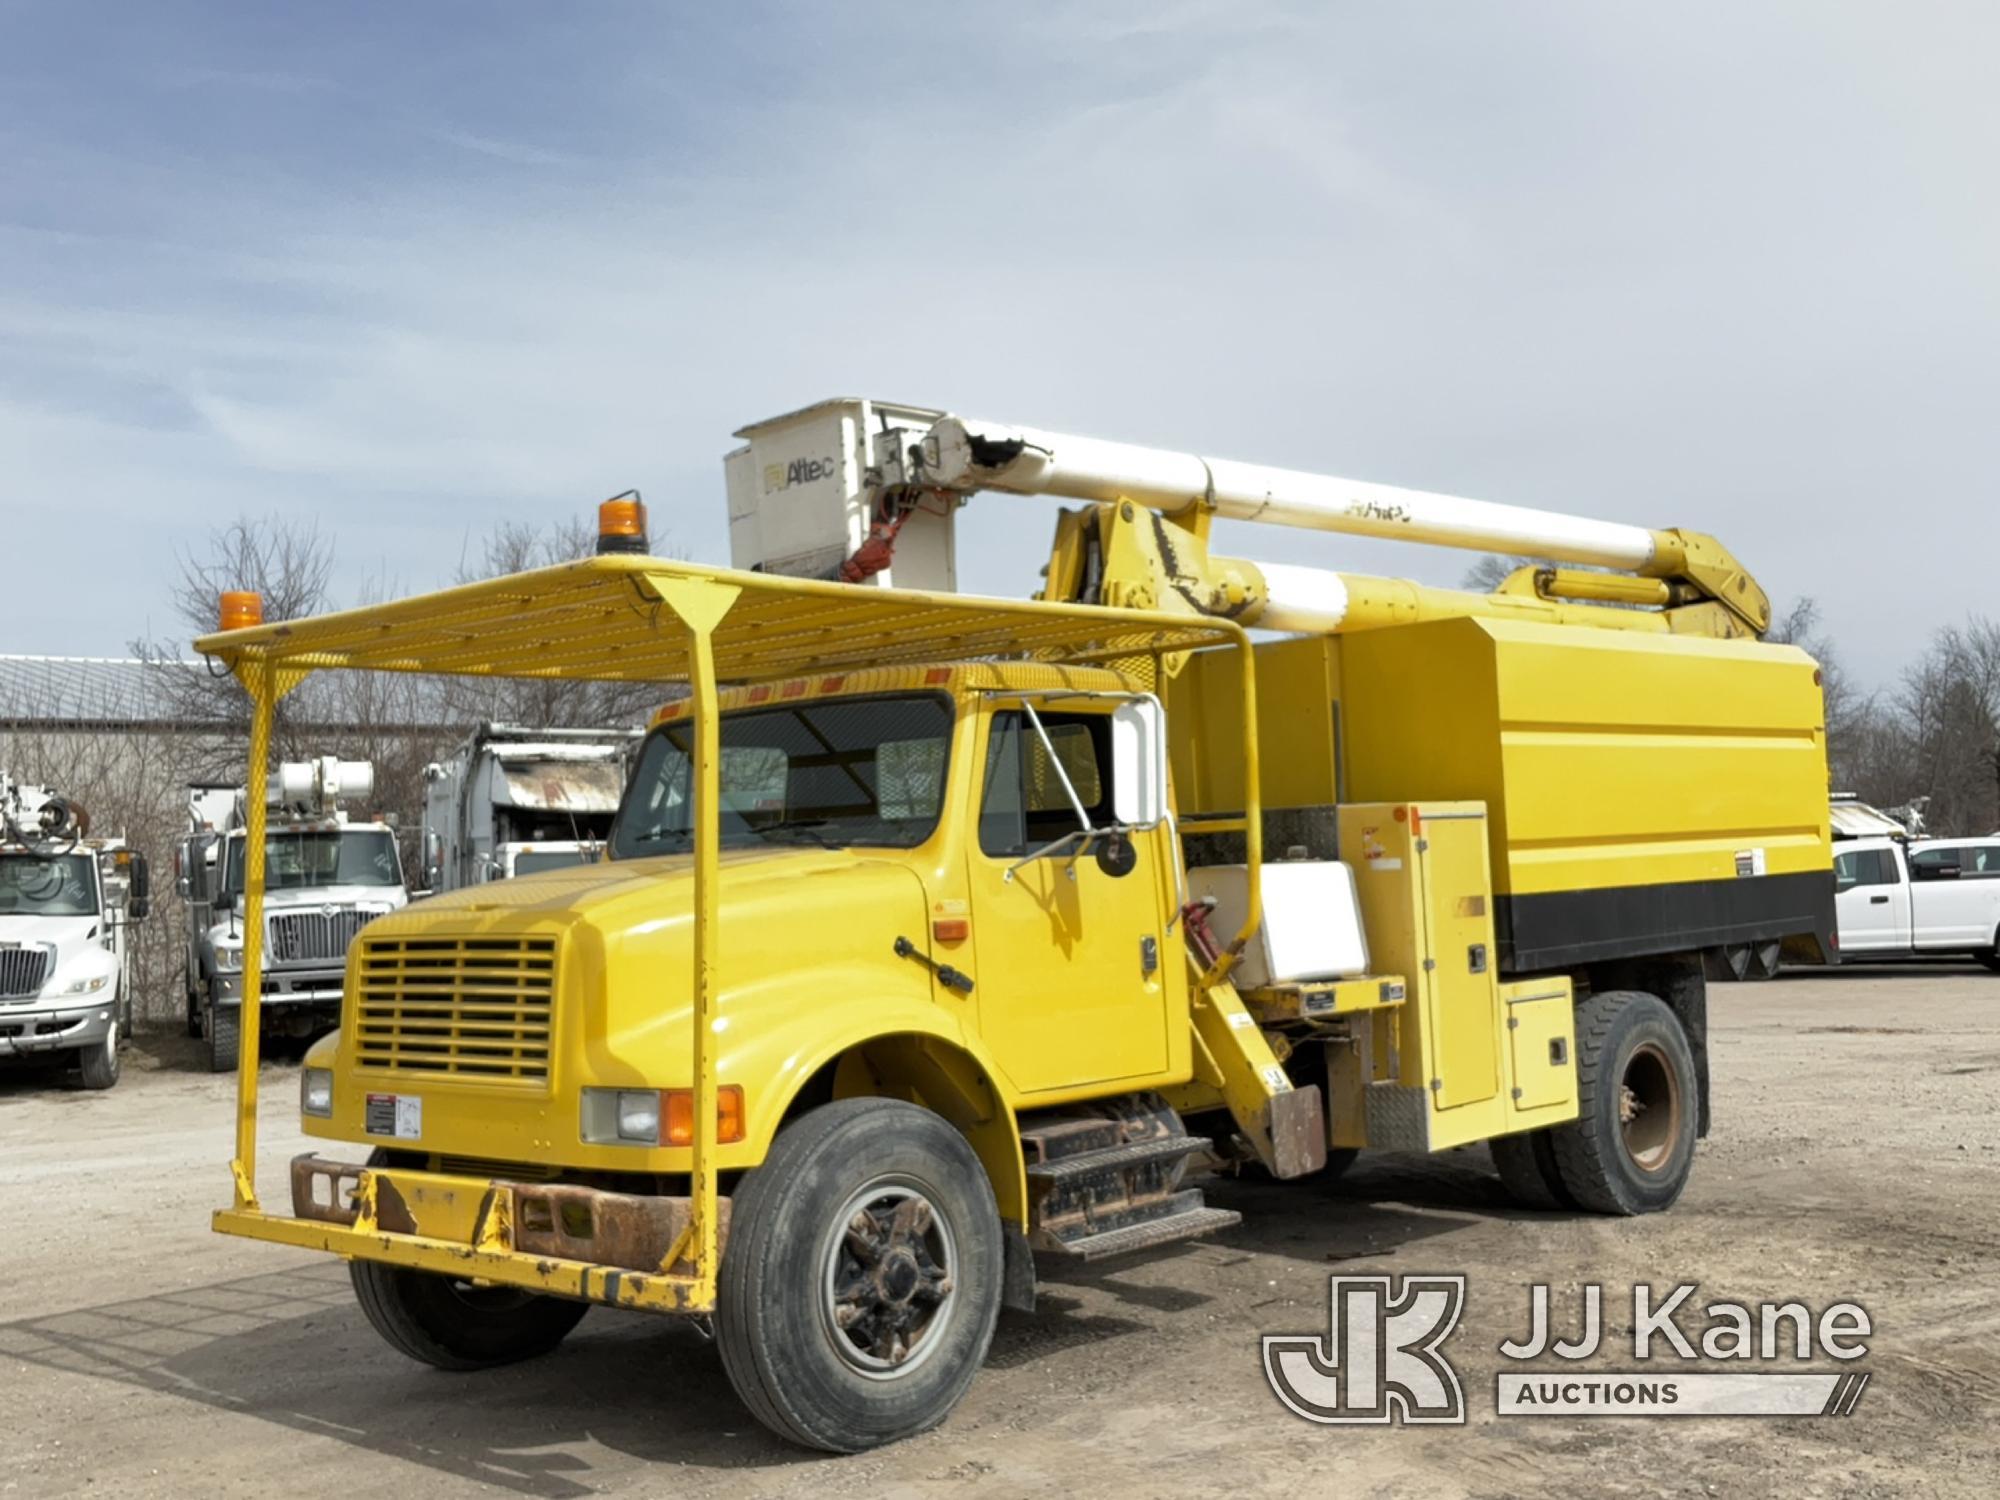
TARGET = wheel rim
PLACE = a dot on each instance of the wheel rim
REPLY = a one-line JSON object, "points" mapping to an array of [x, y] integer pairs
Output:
{"points": [[889, 1285], [1649, 1108]]}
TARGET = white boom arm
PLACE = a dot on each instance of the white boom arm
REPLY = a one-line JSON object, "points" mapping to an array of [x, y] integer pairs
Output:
{"points": [[838, 490], [961, 454]]}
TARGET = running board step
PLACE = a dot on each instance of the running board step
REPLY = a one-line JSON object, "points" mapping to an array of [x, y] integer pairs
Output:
{"points": [[1070, 1169], [1189, 1224]]}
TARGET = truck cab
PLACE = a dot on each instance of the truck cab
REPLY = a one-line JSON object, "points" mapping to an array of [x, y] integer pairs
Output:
{"points": [[65, 975], [325, 878], [514, 800], [1900, 898]]}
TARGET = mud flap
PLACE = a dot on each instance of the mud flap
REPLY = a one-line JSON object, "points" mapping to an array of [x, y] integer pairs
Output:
{"points": [[1295, 1122], [1017, 1272]]}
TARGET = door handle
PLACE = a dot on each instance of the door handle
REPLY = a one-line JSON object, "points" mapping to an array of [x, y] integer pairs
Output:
{"points": [[1878, 900]]}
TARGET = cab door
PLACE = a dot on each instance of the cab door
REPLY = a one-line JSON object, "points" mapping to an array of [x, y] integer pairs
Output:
{"points": [[1871, 901], [1946, 907], [1072, 985]]}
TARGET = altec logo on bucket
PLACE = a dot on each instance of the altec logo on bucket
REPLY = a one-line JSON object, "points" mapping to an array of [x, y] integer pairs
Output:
{"points": [[1381, 1358]]}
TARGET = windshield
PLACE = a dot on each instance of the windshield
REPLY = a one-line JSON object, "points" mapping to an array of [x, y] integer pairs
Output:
{"points": [[842, 771], [295, 859], [62, 887]]}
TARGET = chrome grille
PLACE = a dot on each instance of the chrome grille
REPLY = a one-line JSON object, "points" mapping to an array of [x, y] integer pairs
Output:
{"points": [[23, 972], [303, 937], [473, 1007]]}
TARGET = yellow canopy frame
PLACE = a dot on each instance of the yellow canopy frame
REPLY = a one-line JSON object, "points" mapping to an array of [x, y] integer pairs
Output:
{"points": [[644, 619]]}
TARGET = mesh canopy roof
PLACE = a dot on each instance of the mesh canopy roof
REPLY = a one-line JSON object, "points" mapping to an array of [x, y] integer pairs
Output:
{"points": [[615, 619]]}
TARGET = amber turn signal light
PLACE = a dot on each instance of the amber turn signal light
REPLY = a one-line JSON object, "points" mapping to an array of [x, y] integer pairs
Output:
{"points": [[241, 609], [679, 1123], [951, 929]]}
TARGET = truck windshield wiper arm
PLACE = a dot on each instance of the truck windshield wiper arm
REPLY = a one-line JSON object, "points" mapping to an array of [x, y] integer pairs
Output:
{"points": [[807, 828]]}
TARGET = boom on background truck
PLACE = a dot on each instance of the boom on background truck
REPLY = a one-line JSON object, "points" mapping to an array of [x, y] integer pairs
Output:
{"points": [[67, 902], [939, 932], [326, 875], [513, 801]]}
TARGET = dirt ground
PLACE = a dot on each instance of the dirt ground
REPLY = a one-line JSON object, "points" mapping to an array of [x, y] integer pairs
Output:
{"points": [[1856, 1157]]}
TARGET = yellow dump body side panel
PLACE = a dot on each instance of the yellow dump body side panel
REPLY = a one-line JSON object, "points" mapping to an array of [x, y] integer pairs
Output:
{"points": [[1298, 726], [1648, 794]]}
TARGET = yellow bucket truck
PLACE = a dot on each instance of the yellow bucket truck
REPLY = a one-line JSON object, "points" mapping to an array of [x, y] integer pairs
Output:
{"points": [[941, 932]]}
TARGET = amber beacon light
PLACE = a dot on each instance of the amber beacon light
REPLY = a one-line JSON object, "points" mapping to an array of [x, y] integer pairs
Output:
{"points": [[621, 524], [241, 609]]}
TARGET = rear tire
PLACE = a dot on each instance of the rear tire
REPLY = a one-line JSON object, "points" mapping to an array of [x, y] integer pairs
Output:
{"points": [[1991, 956], [862, 1276], [1631, 1147], [99, 1064], [223, 1037], [1527, 1167], [453, 1325]]}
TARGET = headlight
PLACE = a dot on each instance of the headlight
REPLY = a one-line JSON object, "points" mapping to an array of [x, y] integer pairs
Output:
{"points": [[229, 957], [85, 986], [621, 1117], [316, 1092]]}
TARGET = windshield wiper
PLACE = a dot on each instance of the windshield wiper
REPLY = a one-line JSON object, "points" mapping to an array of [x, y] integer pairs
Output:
{"points": [[660, 833], [806, 828]]}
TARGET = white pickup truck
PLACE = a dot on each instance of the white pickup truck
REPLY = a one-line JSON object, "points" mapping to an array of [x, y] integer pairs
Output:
{"points": [[1930, 896]]}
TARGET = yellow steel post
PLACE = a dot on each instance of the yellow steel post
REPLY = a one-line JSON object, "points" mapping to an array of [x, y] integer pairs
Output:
{"points": [[262, 680], [701, 606]]}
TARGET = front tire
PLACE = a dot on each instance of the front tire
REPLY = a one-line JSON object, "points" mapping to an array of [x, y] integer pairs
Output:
{"points": [[99, 1064], [1631, 1147], [223, 1040], [1991, 956], [454, 1325], [862, 1276]]}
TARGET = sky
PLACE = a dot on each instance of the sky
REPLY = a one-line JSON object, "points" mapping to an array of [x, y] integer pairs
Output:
{"points": [[414, 270]]}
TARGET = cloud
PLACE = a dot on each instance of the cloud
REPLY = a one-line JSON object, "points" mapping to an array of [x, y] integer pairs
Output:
{"points": [[1679, 271]]}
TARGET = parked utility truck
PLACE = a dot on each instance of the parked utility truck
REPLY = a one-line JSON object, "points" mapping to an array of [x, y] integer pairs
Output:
{"points": [[1918, 898], [67, 902], [941, 933], [513, 801], [328, 874]]}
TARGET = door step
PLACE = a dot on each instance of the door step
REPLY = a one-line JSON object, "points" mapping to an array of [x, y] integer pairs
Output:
{"points": [[1190, 1220], [1109, 1184], [1070, 1169]]}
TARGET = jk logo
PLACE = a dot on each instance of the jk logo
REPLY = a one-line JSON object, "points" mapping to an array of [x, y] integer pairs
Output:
{"points": [[1379, 1360]]}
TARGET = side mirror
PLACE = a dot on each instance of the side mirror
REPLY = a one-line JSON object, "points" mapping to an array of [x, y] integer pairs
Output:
{"points": [[142, 880], [1138, 763], [136, 909]]}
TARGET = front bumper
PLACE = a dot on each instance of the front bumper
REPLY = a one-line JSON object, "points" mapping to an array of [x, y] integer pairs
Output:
{"points": [[553, 1238], [285, 987], [46, 1029]]}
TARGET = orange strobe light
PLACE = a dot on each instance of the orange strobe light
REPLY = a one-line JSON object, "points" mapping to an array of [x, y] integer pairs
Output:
{"points": [[241, 608], [621, 524]]}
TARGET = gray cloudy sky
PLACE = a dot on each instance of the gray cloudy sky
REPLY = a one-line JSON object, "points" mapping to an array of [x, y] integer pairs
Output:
{"points": [[411, 269]]}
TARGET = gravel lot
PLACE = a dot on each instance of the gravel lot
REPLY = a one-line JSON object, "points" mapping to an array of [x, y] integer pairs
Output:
{"points": [[1856, 1157]]}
